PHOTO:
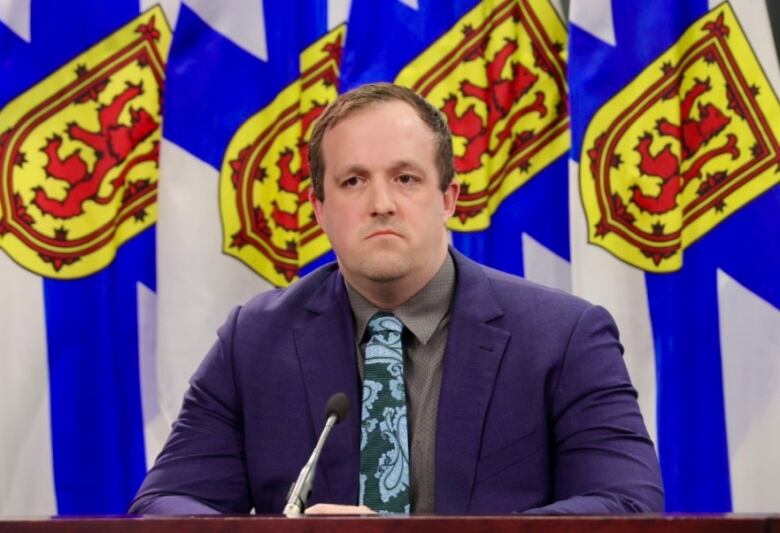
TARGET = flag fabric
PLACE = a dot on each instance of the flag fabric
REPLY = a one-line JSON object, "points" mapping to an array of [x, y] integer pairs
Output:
{"points": [[81, 320], [80, 124], [234, 213], [675, 165]]}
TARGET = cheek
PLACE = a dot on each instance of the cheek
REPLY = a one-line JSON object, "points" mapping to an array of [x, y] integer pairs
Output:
{"points": [[339, 224], [428, 225], [434, 214]]}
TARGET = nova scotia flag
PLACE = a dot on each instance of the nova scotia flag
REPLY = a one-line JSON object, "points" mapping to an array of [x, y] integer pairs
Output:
{"points": [[80, 122], [674, 200]]}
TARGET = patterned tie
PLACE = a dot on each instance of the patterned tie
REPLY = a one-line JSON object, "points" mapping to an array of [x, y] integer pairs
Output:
{"points": [[384, 442]]}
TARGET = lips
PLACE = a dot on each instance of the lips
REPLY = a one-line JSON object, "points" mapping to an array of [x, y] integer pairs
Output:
{"points": [[383, 232]]}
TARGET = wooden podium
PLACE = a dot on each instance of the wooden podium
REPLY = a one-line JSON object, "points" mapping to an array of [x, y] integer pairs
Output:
{"points": [[417, 524]]}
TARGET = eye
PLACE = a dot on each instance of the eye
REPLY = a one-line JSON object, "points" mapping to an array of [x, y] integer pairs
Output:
{"points": [[352, 181], [407, 179]]}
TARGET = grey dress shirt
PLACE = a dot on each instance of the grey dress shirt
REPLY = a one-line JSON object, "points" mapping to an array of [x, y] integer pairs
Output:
{"points": [[426, 319]]}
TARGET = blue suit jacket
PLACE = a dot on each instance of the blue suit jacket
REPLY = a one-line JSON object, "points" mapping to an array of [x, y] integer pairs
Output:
{"points": [[536, 412]]}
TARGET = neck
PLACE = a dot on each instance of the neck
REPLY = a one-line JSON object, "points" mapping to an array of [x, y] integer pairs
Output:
{"points": [[388, 295]]}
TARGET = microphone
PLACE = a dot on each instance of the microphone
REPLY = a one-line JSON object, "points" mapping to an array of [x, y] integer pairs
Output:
{"points": [[335, 411]]}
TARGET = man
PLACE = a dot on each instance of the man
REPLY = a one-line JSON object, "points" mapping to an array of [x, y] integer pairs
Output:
{"points": [[496, 395]]}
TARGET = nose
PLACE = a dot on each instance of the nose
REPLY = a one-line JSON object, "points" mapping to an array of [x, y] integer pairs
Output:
{"points": [[382, 199]]}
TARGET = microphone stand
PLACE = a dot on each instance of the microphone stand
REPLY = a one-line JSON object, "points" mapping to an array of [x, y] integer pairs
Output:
{"points": [[299, 492]]}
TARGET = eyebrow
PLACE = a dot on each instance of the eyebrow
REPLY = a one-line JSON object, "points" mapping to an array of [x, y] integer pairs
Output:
{"points": [[397, 166], [406, 165], [350, 170]]}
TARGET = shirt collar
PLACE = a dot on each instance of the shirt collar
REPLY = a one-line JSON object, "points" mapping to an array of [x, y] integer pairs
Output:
{"points": [[422, 313]]}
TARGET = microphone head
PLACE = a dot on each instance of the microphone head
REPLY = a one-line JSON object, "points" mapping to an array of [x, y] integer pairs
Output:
{"points": [[338, 405]]}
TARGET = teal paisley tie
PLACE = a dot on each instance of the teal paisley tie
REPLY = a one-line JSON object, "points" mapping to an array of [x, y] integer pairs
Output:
{"points": [[384, 443]]}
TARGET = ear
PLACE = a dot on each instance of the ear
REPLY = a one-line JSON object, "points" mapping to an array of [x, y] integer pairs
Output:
{"points": [[317, 204], [451, 199]]}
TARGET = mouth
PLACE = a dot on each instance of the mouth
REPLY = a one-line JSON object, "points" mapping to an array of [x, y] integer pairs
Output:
{"points": [[383, 233]]}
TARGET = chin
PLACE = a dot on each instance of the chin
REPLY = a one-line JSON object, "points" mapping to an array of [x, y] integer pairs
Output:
{"points": [[382, 268]]}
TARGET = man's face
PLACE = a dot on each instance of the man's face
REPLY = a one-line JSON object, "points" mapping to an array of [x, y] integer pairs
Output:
{"points": [[384, 212]]}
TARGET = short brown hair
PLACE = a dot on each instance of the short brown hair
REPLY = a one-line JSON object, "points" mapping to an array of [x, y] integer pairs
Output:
{"points": [[370, 95]]}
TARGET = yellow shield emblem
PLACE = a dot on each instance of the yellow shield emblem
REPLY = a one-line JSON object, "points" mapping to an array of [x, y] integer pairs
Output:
{"points": [[499, 75], [267, 219], [79, 152], [692, 139]]}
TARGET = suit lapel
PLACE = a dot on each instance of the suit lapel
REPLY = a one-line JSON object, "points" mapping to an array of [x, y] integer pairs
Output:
{"points": [[471, 360], [326, 351]]}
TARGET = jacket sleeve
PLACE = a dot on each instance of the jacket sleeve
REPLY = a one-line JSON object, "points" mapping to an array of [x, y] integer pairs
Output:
{"points": [[202, 467], [604, 461]]}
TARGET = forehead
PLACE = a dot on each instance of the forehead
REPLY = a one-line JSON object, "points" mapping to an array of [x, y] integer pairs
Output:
{"points": [[386, 130]]}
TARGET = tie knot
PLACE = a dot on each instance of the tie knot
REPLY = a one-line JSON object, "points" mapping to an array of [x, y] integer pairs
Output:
{"points": [[386, 323]]}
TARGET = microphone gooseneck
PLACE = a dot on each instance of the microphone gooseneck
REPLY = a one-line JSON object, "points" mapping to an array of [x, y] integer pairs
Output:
{"points": [[335, 411]]}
